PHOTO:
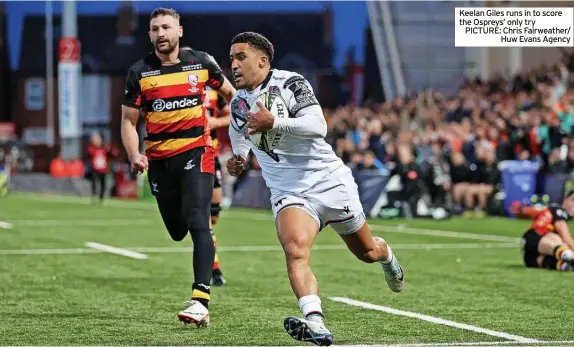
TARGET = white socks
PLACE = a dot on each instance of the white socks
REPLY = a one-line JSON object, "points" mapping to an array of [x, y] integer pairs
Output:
{"points": [[389, 258], [310, 305], [567, 255]]}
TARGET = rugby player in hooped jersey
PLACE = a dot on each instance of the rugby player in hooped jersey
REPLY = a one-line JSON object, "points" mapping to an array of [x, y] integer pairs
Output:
{"points": [[548, 242], [167, 85], [310, 186], [217, 112]]}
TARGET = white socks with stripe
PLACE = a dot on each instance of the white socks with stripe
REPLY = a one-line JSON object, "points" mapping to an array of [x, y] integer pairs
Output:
{"points": [[310, 305]]}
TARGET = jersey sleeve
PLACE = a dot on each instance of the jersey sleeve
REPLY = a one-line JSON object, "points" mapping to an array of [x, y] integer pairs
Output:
{"points": [[216, 77], [558, 214], [298, 94], [132, 92], [306, 119]]}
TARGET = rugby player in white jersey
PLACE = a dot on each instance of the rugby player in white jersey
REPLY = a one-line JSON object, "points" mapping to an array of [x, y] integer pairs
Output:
{"points": [[310, 186]]}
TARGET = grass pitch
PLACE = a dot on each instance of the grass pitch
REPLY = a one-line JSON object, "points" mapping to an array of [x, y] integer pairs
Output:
{"points": [[56, 291]]}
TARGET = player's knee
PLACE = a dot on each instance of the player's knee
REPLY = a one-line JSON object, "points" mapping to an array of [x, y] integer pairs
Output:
{"points": [[176, 227], [197, 221], [296, 250], [177, 231], [215, 209]]}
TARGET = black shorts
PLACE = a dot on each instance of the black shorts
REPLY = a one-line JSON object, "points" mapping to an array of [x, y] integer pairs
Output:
{"points": [[529, 244], [217, 179], [183, 186]]}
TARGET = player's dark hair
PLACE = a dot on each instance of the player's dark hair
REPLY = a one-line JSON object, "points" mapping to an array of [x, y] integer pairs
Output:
{"points": [[256, 41], [161, 11]]}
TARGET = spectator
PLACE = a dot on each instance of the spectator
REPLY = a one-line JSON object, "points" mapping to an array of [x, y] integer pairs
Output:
{"points": [[458, 140], [99, 156], [487, 180]]}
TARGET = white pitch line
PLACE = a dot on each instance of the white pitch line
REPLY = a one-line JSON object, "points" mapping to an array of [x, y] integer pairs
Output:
{"points": [[5, 225], [443, 233], [115, 250], [260, 216], [423, 246], [435, 320], [397, 229], [267, 217], [80, 222]]}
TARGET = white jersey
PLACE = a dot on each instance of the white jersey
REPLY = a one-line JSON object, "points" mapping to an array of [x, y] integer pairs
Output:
{"points": [[303, 158]]}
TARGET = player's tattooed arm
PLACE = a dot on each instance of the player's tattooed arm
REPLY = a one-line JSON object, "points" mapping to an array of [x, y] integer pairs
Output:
{"points": [[306, 118], [238, 127]]}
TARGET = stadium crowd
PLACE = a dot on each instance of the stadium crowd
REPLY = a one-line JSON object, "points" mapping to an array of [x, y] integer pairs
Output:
{"points": [[450, 145]]}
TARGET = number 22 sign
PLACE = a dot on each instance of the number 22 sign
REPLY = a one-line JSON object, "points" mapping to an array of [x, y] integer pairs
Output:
{"points": [[69, 49]]}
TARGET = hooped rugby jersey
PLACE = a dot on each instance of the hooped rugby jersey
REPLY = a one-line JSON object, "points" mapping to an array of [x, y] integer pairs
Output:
{"points": [[545, 220], [297, 163], [171, 98]]}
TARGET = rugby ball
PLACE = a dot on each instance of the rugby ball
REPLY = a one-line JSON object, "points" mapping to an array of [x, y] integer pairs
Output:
{"points": [[270, 139]]}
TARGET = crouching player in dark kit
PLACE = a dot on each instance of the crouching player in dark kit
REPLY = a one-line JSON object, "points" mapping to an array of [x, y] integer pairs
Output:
{"points": [[548, 243], [168, 85]]}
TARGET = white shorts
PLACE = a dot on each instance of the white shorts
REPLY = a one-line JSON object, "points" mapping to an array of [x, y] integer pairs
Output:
{"points": [[334, 201]]}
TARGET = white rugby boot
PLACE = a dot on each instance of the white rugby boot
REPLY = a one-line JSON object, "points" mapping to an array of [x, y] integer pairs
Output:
{"points": [[194, 313], [308, 331]]}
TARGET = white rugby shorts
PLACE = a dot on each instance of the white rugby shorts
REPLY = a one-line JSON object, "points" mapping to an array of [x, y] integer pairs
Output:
{"points": [[333, 201]]}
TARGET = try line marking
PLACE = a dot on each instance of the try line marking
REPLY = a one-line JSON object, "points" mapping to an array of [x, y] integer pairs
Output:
{"points": [[436, 320], [94, 247], [115, 250]]}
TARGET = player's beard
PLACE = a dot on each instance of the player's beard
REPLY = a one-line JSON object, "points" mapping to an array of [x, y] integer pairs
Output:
{"points": [[163, 48]]}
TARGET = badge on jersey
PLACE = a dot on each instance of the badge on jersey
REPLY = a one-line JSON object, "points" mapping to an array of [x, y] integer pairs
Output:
{"points": [[239, 109]]}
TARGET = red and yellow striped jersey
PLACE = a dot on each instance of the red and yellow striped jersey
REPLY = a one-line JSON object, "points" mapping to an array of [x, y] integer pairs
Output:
{"points": [[171, 98], [545, 220]]}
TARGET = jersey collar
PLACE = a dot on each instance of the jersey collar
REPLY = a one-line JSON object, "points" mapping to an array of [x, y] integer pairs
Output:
{"points": [[265, 82], [183, 56]]}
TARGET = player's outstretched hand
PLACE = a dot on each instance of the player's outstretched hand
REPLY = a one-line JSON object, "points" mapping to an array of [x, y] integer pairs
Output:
{"points": [[259, 121], [235, 165], [139, 163]]}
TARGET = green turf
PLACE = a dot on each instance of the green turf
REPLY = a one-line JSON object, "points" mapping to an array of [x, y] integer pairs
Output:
{"points": [[107, 299]]}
